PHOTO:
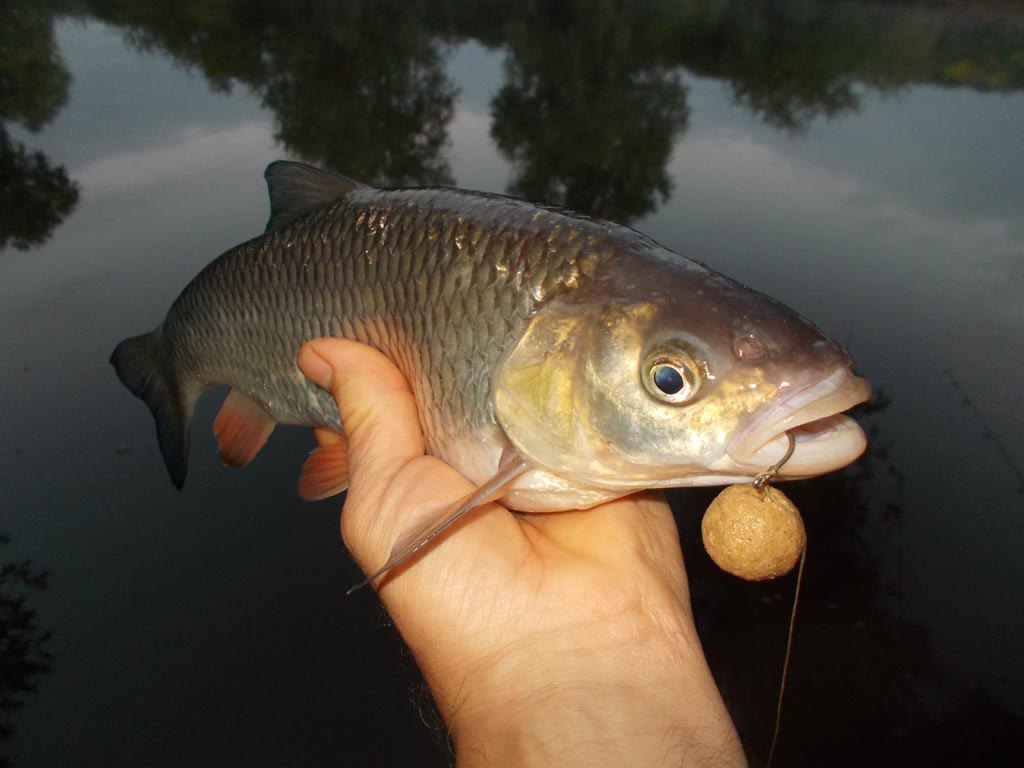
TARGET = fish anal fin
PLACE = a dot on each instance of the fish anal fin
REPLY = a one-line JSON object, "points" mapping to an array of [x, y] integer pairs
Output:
{"points": [[296, 187], [325, 472], [242, 428], [433, 525]]}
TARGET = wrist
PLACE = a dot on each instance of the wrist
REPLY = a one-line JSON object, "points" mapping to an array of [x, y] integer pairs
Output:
{"points": [[634, 692]]}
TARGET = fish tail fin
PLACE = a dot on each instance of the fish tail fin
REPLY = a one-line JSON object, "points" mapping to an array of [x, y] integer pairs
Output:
{"points": [[140, 367]]}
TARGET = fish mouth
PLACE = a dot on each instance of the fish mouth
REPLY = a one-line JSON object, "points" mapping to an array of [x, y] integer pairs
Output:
{"points": [[826, 440]]}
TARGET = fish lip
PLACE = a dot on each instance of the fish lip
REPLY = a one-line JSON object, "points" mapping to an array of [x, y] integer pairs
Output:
{"points": [[820, 401]]}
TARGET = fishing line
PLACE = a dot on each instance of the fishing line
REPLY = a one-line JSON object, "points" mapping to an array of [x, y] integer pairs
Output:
{"points": [[761, 482], [789, 650]]}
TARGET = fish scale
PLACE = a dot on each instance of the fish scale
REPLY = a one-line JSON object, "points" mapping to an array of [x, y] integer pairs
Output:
{"points": [[423, 275]]}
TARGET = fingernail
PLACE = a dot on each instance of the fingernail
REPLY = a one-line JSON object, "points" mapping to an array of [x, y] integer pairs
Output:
{"points": [[317, 369]]}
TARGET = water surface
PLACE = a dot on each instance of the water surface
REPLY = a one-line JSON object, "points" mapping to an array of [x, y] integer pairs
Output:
{"points": [[862, 163]]}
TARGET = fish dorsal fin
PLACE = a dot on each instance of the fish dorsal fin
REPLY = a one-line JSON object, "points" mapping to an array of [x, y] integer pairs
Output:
{"points": [[295, 187]]}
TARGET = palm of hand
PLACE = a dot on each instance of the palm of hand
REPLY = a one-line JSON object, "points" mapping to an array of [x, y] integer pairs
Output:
{"points": [[501, 587], [509, 607]]}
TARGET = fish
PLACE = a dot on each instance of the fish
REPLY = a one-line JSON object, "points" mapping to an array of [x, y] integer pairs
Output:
{"points": [[557, 360]]}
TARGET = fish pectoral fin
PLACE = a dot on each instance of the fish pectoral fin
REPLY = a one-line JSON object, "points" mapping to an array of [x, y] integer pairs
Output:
{"points": [[325, 472], [242, 428], [295, 187], [416, 538]]}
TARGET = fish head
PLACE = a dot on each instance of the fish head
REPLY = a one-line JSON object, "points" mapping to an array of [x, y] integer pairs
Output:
{"points": [[675, 375]]}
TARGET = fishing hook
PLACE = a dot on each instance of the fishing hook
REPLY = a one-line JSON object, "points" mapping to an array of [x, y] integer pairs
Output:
{"points": [[761, 481]]}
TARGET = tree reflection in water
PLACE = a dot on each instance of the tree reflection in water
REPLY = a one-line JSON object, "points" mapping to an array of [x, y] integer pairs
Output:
{"points": [[358, 87], [593, 99], [590, 109], [23, 654], [35, 194]]}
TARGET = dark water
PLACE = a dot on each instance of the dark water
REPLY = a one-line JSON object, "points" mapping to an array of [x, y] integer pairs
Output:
{"points": [[863, 163]]}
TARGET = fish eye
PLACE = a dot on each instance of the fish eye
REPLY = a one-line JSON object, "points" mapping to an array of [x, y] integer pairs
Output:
{"points": [[668, 379], [672, 378]]}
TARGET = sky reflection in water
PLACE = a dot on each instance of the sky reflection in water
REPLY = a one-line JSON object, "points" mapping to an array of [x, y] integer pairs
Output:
{"points": [[869, 176]]}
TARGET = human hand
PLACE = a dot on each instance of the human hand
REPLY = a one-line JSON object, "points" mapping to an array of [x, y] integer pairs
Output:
{"points": [[562, 638]]}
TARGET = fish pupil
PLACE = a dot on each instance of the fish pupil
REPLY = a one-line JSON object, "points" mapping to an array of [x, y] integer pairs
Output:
{"points": [[668, 379]]}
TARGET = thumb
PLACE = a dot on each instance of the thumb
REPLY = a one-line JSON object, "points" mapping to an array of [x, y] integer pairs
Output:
{"points": [[383, 437], [373, 397], [392, 484]]}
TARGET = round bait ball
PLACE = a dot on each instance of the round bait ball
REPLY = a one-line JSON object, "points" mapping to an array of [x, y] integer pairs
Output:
{"points": [[752, 535]]}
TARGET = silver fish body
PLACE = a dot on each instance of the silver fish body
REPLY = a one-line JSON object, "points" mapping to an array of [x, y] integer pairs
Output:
{"points": [[520, 329]]}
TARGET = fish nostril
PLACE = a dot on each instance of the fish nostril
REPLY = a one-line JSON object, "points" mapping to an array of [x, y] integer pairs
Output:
{"points": [[746, 347]]}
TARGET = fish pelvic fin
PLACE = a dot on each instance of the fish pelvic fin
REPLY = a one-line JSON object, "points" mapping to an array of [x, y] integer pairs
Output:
{"points": [[297, 187], [415, 539], [242, 427], [140, 367], [325, 472]]}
